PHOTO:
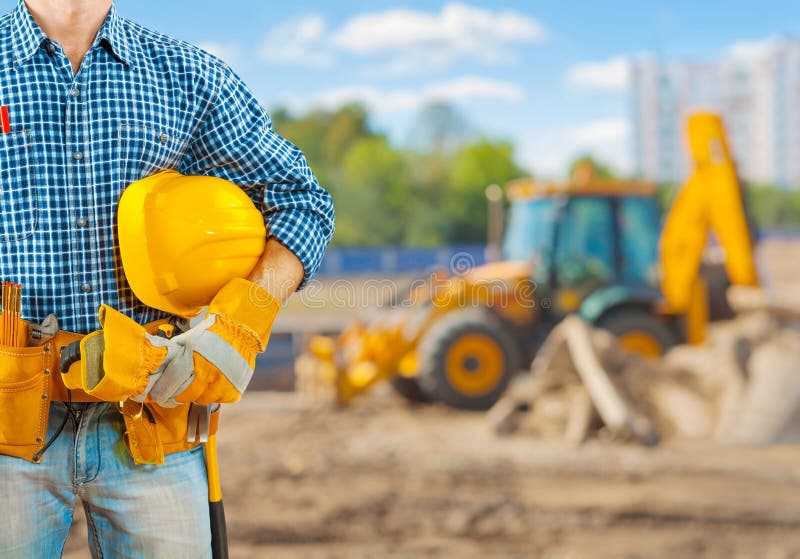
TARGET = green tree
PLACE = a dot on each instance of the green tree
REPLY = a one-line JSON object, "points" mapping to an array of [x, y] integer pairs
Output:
{"points": [[325, 137], [474, 167], [439, 127], [599, 169], [429, 177], [770, 206], [375, 210], [431, 195]]}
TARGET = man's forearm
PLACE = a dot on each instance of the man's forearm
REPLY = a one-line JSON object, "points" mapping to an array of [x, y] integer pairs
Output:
{"points": [[278, 271]]}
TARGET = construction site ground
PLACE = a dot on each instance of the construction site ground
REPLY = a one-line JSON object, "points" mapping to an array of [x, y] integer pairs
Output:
{"points": [[387, 479]]}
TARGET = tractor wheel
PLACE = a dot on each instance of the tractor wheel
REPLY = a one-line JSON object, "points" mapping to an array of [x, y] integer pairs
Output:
{"points": [[409, 388], [639, 331], [467, 359]]}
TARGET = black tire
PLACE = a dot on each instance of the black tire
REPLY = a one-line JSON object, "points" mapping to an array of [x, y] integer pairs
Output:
{"points": [[409, 388], [438, 341], [631, 319]]}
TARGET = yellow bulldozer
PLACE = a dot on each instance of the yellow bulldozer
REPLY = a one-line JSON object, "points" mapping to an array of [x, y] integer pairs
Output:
{"points": [[590, 246]]}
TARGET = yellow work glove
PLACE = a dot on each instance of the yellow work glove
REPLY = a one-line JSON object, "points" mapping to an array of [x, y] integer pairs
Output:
{"points": [[217, 356], [120, 360]]}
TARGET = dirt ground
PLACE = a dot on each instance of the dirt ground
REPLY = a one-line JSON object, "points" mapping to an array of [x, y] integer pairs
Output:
{"points": [[386, 479]]}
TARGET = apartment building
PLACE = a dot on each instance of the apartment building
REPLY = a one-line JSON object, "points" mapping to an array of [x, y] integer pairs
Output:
{"points": [[757, 91]]}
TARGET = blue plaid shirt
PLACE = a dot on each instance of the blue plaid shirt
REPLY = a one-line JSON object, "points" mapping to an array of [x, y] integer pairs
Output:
{"points": [[141, 102]]}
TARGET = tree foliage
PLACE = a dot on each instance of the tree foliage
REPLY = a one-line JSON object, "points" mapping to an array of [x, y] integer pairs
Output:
{"points": [[767, 206], [429, 195], [433, 192], [474, 167], [439, 127], [772, 207], [599, 169]]}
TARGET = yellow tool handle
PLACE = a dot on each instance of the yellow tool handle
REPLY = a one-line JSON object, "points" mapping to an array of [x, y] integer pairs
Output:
{"points": [[214, 486]]}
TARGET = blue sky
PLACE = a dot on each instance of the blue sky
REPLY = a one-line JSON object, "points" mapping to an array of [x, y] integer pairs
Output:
{"points": [[551, 76]]}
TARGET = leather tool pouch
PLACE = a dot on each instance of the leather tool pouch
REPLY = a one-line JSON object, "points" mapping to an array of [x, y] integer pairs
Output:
{"points": [[30, 381], [27, 386], [152, 432]]}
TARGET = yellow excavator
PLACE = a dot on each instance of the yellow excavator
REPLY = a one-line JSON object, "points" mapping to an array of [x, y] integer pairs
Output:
{"points": [[591, 246]]}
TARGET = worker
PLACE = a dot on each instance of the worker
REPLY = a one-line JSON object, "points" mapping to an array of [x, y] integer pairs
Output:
{"points": [[92, 103]]}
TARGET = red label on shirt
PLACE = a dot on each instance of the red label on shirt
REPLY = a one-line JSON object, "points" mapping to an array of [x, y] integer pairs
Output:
{"points": [[5, 125]]}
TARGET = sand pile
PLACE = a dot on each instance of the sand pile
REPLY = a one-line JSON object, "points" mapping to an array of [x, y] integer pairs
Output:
{"points": [[741, 386]]}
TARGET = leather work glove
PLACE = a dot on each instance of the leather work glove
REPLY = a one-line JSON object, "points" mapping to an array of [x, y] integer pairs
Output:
{"points": [[120, 360], [217, 356]]}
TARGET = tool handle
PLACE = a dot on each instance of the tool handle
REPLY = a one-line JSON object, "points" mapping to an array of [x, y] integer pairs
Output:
{"points": [[219, 532], [70, 354]]}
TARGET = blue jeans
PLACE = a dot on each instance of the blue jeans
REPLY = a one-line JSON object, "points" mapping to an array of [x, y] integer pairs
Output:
{"points": [[131, 510]]}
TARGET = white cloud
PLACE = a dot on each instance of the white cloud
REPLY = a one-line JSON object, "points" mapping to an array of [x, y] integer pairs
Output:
{"points": [[414, 38], [229, 52], [600, 132], [464, 89], [545, 154], [608, 75], [407, 41], [474, 88], [548, 153], [752, 51], [301, 41], [614, 73], [457, 26]]}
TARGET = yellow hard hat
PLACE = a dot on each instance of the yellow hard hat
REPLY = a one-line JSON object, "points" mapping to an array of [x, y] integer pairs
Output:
{"points": [[183, 238]]}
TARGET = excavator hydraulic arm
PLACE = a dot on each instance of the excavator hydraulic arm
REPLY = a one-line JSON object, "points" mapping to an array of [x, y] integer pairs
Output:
{"points": [[710, 200]]}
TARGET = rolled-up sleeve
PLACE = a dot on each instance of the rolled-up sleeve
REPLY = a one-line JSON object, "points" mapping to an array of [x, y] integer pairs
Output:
{"points": [[236, 142]]}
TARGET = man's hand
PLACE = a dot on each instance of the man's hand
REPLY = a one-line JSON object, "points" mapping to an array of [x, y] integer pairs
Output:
{"points": [[278, 271], [120, 360], [217, 356]]}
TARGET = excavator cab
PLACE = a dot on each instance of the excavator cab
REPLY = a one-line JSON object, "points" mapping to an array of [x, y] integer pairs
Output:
{"points": [[594, 251], [581, 243]]}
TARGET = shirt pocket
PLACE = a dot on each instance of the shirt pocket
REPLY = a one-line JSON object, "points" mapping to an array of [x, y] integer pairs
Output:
{"points": [[146, 149], [17, 187]]}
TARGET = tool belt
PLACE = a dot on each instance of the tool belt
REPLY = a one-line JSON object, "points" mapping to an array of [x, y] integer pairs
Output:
{"points": [[30, 380]]}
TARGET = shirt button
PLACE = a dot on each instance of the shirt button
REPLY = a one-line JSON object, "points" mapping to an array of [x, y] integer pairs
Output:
{"points": [[86, 288], [163, 138], [81, 222], [77, 155], [76, 92]]}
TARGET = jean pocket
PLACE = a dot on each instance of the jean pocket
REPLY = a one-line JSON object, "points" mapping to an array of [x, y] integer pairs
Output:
{"points": [[17, 187]]}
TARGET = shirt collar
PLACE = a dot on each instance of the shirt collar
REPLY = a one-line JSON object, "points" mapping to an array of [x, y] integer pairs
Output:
{"points": [[27, 36], [113, 32]]}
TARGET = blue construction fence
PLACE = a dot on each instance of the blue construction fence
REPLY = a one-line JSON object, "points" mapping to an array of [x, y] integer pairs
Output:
{"points": [[353, 261], [782, 233]]}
